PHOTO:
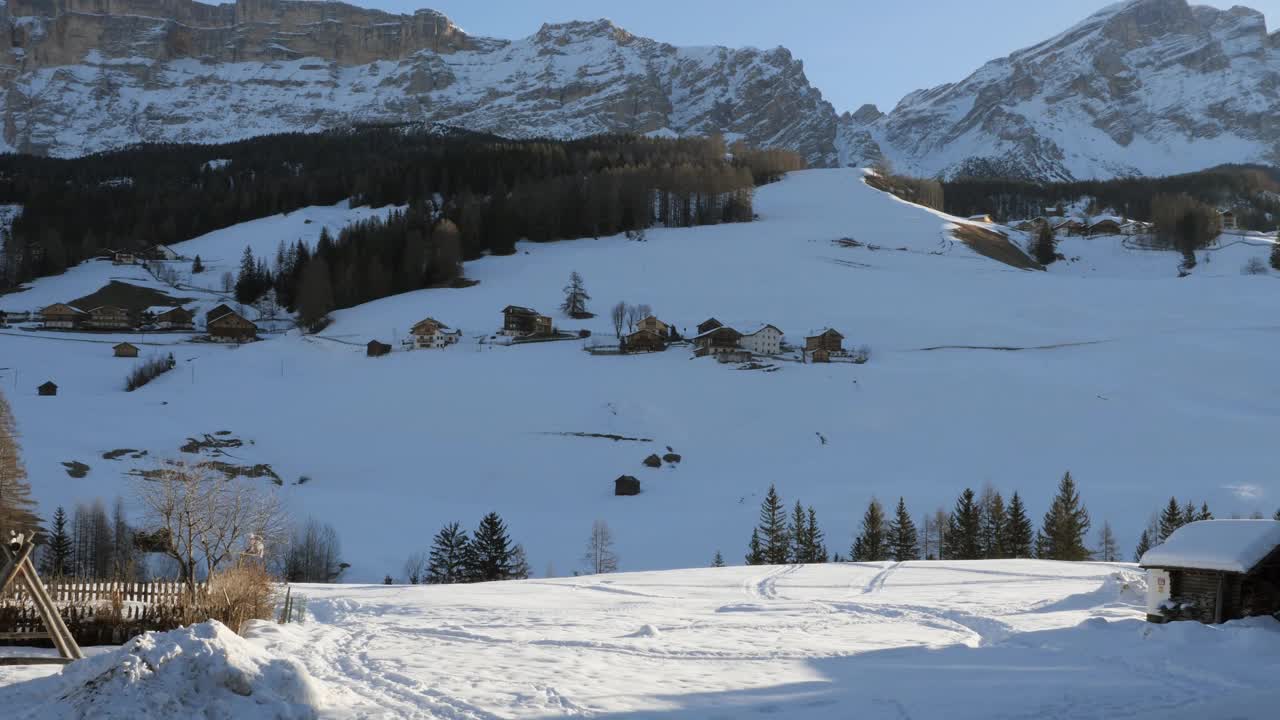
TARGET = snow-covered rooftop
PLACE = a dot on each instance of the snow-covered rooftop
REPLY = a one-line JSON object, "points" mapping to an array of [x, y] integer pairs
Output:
{"points": [[1225, 545]]}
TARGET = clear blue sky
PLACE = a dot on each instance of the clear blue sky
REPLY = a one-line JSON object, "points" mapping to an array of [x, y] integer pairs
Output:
{"points": [[855, 51]]}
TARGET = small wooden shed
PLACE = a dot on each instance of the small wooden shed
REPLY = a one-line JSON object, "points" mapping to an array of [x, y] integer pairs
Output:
{"points": [[1214, 571], [626, 485], [377, 349], [48, 389], [125, 350]]}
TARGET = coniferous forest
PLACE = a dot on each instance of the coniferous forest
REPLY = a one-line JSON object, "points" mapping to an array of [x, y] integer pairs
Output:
{"points": [[492, 192]]}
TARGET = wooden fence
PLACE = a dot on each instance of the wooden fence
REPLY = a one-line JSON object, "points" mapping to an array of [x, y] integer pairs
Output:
{"points": [[96, 613]]}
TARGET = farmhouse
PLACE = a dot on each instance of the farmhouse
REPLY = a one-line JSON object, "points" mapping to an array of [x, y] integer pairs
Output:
{"points": [[171, 318], [645, 341], [715, 341], [1214, 571], [708, 325], [60, 316], [764, 340], [108, 317], [377, 349], [125, 350], [431, 333], [123, 257], [1071, 227], [1107, 226], [654, 325], [519, 321], [223, 323], [48, 389], [829, 340], [1227, 220]]}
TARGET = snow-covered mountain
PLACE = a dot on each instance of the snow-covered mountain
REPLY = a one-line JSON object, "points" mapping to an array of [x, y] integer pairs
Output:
{"points": [[1143, 87], [86, 75]]}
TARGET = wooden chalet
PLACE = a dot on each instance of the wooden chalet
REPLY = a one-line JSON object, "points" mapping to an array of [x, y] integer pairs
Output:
{"points": [[645, 341], [123, 257], [820, 355], [708, 325], [1105, 227], [223, 323], [172, 318], [655, 325], [48, 389], [717, 340], [108, 317], [517, 320], [763, 340], [1215, 570], [61, 316], [1071, 227], [125, 350], [431, 333], [377, 349], [829, 340]]}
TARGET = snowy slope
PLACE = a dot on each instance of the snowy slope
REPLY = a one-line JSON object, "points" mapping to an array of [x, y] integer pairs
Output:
{"points": [[998, 639], [1140, 383]]}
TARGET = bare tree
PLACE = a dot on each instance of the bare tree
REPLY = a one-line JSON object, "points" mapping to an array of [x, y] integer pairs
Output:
{"points": [[636, 313], [619, 317], [228, 282], [1108, 549], [315, 554], [415, 566], [202, 520], [599, 557]]}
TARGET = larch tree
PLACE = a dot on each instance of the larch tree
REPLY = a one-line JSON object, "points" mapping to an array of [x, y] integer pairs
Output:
{"points": [[1108, 548], [599, 556], [1019, 532], [904, 541], [993, 525], [17, 507], [1065, 524]]}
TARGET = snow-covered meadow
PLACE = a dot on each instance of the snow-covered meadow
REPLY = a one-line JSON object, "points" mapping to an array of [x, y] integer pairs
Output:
{"points": [[983, 639], [1140, 383]]}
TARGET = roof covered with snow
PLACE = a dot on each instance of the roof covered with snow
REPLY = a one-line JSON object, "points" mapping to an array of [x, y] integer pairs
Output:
{"points": [[1224, 545]]}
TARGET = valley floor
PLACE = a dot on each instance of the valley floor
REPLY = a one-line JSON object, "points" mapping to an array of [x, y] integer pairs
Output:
{"points": [[986, 639]]}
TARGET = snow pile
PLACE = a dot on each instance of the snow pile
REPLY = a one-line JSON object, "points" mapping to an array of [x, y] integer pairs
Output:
{"points": [[1225, 545], [202, 670]]}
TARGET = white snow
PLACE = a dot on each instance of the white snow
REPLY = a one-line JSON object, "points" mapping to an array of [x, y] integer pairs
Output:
{"points": [[875, 641], [1224, 545], [204, 671], [1127, 373]]}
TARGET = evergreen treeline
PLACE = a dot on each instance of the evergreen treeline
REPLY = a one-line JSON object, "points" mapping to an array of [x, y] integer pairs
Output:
{"points": [[92, 545], [487, 554], [1249, 190], [495, 191]]}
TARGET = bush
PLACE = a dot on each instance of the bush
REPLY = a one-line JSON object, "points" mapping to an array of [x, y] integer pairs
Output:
{"points": [[147, 371], [1255, 266], [236, 595]]}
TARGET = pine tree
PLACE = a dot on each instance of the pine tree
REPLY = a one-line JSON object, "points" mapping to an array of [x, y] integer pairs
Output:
{"points": [[904, 541], [994, 520], [775, 545], [197, 266], [1144, 544], [1204, 513], [247, 279], [17, 507], [1170, 520], [872, 545], [57, 553], [755, 553], [1108, 549], [718, 560], [816, 539], [1018, 529], [1044, 246], [449, 556], [490, 551], [1065, 524], [799, 532], [964, 529], [575, 298]]}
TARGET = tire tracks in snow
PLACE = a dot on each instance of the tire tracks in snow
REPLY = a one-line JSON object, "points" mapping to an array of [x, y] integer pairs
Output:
{"points": [[766, 587]]}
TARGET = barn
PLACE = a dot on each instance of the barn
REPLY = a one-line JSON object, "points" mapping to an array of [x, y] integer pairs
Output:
{"points": [[126, 350], [48, 389], [1214, 571], [223, 323], [377, 349]]}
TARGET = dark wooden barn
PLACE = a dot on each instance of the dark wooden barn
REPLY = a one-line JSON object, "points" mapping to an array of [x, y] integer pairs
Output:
{"points": [[126, 350], [1214, 571], [377, 349], [48, 389]]}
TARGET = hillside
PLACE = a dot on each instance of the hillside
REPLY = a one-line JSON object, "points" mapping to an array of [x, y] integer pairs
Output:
{"points": [[1142, 384], [994, 639]]}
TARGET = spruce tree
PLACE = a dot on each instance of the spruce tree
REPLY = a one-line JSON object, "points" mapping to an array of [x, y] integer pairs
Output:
{"points": [[1065, 524], [872, 545], [775, 543], [755, 553], [904, 541], [197, 266], [718, 560], [490, 551], [575, 298], [964, 529], [57, 553], [449, 556], [1204, 513], [1044, 246], [1144, 544], [994, 519], [1170, 520], [816, 539], [1018, 529], [798, 531], [247, 279], [1189, 513]]}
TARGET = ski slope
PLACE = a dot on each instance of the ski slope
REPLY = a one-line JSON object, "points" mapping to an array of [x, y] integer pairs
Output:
{"points": [[1142, 384], [981, 640]]}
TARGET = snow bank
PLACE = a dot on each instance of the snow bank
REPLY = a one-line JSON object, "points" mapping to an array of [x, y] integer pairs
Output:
{"points": [[1226, 545], [203, 671]]}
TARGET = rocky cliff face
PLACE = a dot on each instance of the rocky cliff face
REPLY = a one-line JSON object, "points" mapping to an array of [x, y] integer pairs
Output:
{"points": [[87, 75], [1142, 87]]}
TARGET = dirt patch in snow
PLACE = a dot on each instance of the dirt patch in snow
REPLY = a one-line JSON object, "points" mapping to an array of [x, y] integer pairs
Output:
{"points": [[203, 671], [76, 469], [994, 245]]}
